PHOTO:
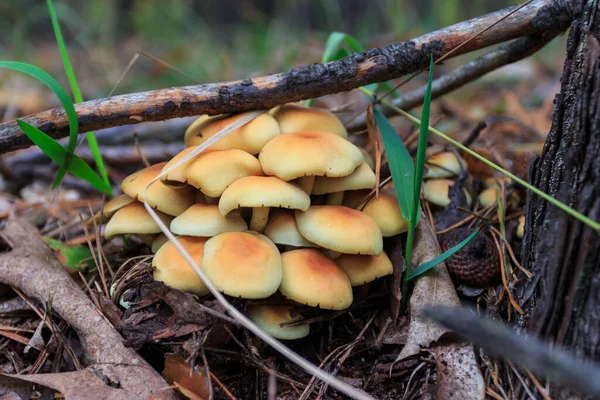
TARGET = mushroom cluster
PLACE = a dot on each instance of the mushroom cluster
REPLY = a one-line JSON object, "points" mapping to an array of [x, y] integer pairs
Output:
{"points": [[268, 209]]}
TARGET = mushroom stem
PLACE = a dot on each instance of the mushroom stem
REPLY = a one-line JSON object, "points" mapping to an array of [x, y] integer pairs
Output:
{"points": [[332, 254], [306, 183], [335, 199], [258, 221], [211, 200]]}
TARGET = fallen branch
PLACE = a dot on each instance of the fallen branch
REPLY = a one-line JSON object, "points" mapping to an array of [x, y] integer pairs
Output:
{"points": [[506, 54], [305, 82], [32, 268]]}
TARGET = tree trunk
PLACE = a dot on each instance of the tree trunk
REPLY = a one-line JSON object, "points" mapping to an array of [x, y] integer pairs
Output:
{"points": [[561, 301]]}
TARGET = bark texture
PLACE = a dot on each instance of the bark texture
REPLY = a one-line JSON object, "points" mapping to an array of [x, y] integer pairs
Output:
{"points": [[561, 301], [305, 82]]}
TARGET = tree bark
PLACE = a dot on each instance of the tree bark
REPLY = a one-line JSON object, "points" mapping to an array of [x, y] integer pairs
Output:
{"points": [[561, 300]]}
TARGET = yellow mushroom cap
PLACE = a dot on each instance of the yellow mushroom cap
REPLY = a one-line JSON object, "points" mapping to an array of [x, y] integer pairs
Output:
{"points": [[384, 210], [175, 271], [444, 165], [205, 220], [250, 138], [362, 177], [309, 277], [367, 158], [270, 318], [282, 229], [160, 196], [521, 226], [262, 191], [294, 118], [496, 181], [309, 153], [176, 178], [364, 269], [487, 197], [341, 229], [213, 172], [243, 264], [435, 191], [134, 219], [111, 207]]}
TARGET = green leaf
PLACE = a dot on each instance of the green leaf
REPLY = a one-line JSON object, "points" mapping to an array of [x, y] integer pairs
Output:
{"points": [[423, 137], [91, 139], [421, 269], [76, 257], [60, 155], [334, 42], [401, 165]]}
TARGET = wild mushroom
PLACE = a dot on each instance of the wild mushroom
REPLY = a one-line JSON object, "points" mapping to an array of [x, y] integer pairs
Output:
{"points": [[340, 229], [250, 138], [435, 191], [134, 219], [260, 193], [212, 172], [243, 264], [158, 242], [270, 317], [444, 165], [311, 278], [362, 177], [282, 229], [487, 197], [294, 118], [163, 198], [364, 269], [174, 271], [205, 220], [309, 153], [112, 206], [384, 210], [521, 227]]}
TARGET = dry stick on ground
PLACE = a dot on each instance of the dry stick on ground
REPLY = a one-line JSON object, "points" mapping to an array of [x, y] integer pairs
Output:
{"points": [[376, 65], [506, 54], [32, 268]]}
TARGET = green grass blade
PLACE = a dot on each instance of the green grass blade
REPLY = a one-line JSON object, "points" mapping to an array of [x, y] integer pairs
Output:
{"points": [[334, 41], [421, 269], [423, 137], [62, 95], [401, 164], [586, 220], [60, 155], [76, 257], [90, 137]]}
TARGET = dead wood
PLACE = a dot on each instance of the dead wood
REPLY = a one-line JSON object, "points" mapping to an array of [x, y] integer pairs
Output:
{"points": [[305, 82], [32, 268]]}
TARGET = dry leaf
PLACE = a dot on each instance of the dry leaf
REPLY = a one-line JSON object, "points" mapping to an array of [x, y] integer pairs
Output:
{"points": [[191, 383], [432, 288], [458, 376]]}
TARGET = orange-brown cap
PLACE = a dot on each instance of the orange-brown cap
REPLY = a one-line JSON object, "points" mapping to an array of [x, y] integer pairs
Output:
{"points": [[270, 317], [176, 178], [364, 269], [175, 271], [341, 229], [111, 207], [309, 277], [158, 242], [160, 196], [282, 229], [293, 117], [309, 153], [251, 137], [206, 220], [385, 211], [444, 165], [134, 219], [435, 191], [362, 177], [213, 172], [243, 264], [262, 191]]}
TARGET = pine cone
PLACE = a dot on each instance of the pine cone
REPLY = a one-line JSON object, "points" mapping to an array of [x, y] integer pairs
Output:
{"points": [[477, 264]]}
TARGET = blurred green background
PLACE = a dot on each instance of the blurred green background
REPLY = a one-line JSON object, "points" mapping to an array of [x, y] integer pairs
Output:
{"points": [[212, 40]]}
